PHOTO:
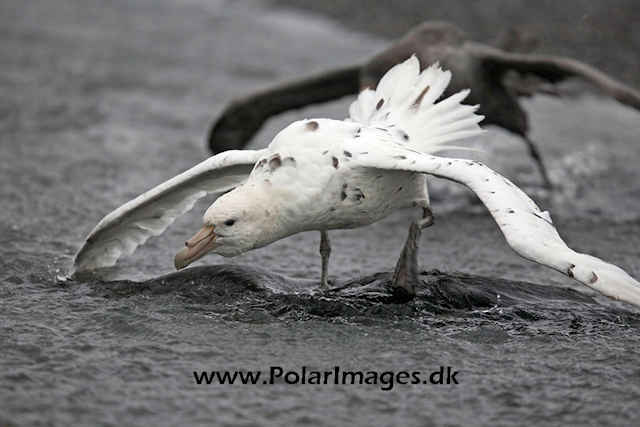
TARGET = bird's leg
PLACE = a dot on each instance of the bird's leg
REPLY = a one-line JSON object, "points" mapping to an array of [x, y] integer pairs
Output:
{"points": [[533, 151], [325, 251], [405, 277]]}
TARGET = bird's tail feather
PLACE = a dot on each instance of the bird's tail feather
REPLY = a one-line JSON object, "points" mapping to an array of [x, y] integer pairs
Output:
{"points": [[405, 102]]}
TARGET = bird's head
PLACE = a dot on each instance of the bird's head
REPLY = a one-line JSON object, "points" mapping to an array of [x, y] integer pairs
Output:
{"points": [[235, 223]]}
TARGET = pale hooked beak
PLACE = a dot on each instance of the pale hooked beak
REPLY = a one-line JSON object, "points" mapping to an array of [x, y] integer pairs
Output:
{"points": [[196, 247]]}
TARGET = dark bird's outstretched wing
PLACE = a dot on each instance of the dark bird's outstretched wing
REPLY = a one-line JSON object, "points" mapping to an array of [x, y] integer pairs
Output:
{"points": [[557, 68]]}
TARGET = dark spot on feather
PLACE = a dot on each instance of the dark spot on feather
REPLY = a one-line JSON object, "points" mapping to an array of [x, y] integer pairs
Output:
{"points": [[593, 279], [289, 161], [267, 213], [332, 209], [378, 177], [358, 194], [335, 161], [399, 189], [544, 219], [325, 152], [275, 162], [512, 211], [413, 162], [346, 153], [343, 195], [570, 270], [311, 126], [260, 164], [418, 100], [405, 136], [380, 104], [449, 163], [365, 152], [400, 157]]}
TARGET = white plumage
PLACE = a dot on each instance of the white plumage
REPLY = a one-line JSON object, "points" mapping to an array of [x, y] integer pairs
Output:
{"points": [[325, 174]]}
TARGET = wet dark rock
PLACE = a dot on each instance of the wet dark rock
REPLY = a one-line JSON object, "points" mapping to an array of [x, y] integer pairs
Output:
{"points": [[234, 288]]}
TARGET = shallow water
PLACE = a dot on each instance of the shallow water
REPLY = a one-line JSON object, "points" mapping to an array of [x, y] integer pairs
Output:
{"points": [[102, 100]]}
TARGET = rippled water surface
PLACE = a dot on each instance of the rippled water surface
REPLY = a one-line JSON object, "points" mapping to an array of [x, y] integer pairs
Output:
{"points": [[102, 100]]}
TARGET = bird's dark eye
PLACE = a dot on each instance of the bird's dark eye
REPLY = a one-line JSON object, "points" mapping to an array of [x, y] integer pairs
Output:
{"points": [[230, 222]]}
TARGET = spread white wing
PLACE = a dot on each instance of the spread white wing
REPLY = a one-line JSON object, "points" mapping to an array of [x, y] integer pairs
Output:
{"points": [[149, 214], [528, 230]]}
